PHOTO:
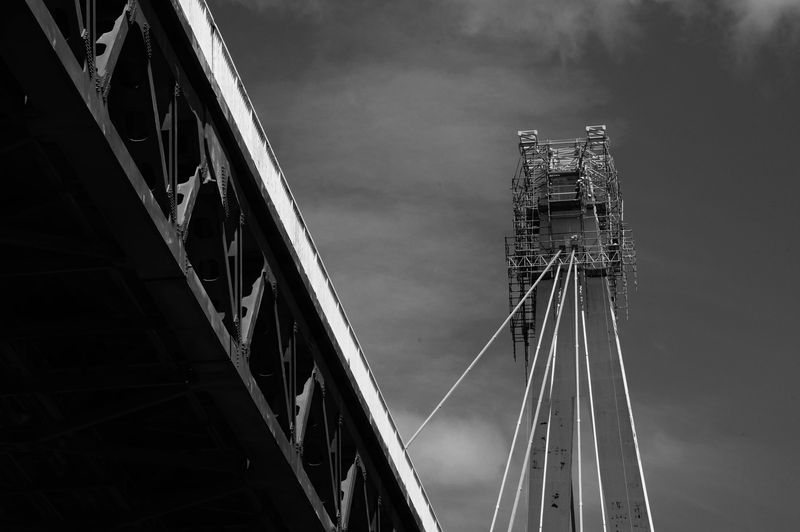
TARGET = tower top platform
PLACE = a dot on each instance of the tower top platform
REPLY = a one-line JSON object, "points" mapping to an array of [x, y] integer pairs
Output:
{"points": [[566, 196]]}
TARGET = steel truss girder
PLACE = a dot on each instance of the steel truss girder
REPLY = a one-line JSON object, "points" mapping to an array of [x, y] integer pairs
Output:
{"points": [[162, 254]]}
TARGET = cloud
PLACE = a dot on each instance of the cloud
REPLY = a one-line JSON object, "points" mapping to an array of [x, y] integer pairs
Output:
{"points": [[759, 22], [305, 7], [563, 27], [568, 28], [457, 452], [762, 16]]}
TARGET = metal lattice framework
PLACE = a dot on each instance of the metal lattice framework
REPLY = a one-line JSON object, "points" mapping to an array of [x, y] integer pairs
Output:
{"points": [[168, 359], [558, 179]]}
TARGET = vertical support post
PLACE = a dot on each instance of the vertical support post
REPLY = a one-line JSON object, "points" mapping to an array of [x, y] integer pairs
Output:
{"points": [[172, 186], [304, 402], [91, 37], [281, 361], [159, 127], [293, 383], [331, 444], [348, 491], [238, 266]]}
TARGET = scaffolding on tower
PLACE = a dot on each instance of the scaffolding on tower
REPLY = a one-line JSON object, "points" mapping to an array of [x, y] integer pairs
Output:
{"points": [[556, 180]]}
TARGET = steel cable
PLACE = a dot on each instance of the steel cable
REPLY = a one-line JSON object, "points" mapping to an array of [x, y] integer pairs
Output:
{"points": [[524, 400], [485, 348], [541, 395], [630, 412]]}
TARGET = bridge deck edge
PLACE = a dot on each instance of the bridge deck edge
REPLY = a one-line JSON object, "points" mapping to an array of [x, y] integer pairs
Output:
{"points": [[197, 17]]}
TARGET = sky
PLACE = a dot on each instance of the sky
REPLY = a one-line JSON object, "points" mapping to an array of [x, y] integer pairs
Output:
{"points": [[395, 124]]}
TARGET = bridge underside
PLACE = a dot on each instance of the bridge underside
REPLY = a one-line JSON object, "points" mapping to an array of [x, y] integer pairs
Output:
{"points": [[162, 365]]}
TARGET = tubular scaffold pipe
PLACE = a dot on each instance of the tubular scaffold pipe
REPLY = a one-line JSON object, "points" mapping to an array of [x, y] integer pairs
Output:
{"points": [[485, 348]]}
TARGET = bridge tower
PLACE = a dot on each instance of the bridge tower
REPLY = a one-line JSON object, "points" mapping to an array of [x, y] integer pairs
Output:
{"points": [[567, 198]]}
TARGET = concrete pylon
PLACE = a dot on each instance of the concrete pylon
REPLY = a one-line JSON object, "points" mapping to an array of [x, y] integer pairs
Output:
{"points": [[567, 198]]}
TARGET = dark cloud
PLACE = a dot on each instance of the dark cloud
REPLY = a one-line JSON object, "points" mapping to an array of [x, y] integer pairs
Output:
{"points": [[564, 28]]}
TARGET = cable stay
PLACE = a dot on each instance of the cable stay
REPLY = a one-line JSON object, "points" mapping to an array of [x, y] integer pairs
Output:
{"points": [[623, 466], [630, 409], [546, 437], [485, 348], [578, 406], [547, 386], [524, 400], [547, 370]]}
